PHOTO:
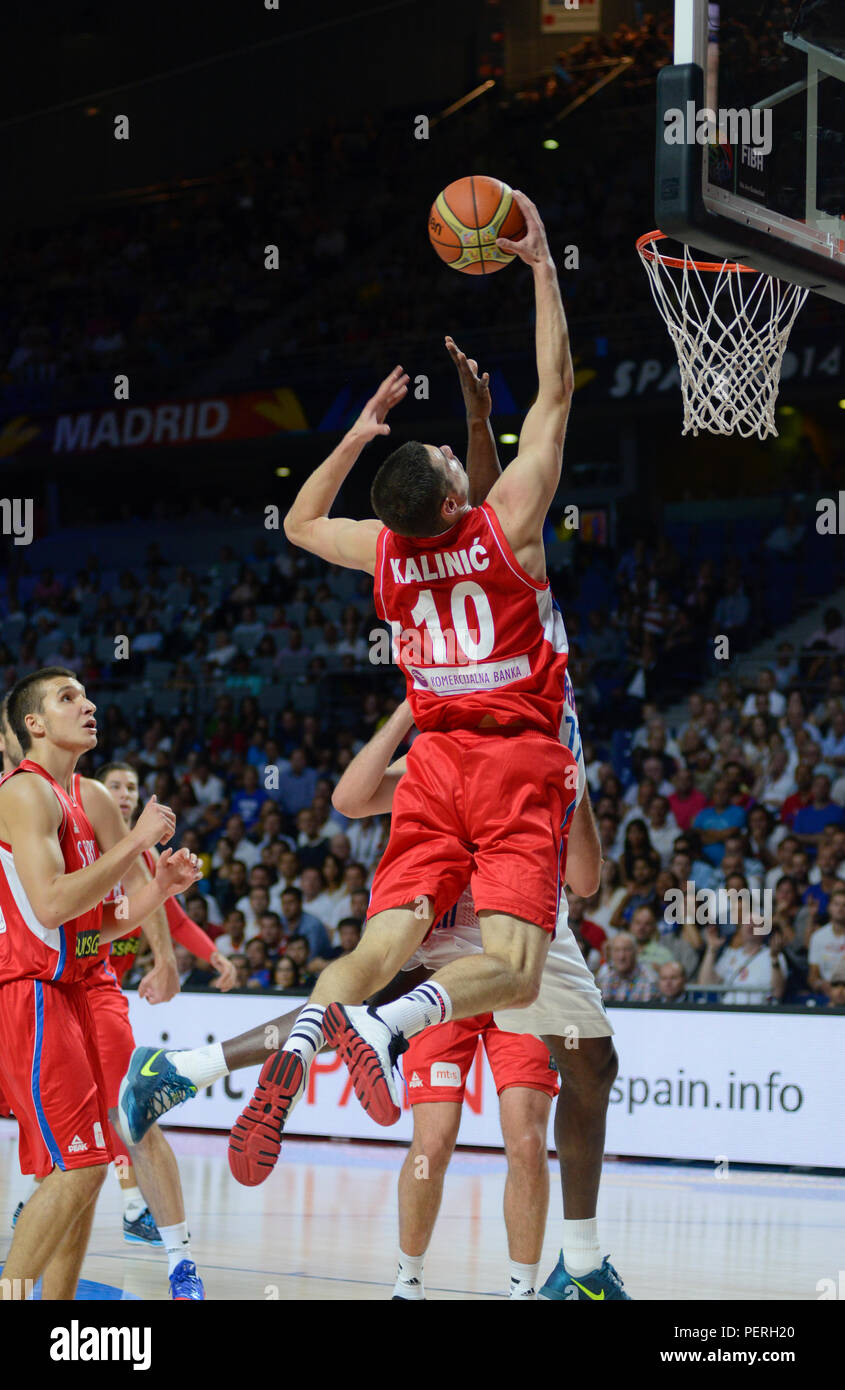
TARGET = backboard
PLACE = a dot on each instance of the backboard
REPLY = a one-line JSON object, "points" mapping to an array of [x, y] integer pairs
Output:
{"points": [[750, 153]]}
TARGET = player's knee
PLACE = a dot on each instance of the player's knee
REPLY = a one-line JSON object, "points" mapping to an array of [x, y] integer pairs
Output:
{"points": [[526, 987], [432, 1152], [525, 1146]]}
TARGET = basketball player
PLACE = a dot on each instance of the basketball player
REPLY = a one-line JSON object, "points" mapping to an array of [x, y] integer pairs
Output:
{"points": [[53, 880], [154, 1158], [489, 789], [569, 1017]]}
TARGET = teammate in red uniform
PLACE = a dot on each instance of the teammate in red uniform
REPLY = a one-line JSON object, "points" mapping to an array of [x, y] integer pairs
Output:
{"points": [[158, 1174], [489, 789], [110, 814], [52, 884]]}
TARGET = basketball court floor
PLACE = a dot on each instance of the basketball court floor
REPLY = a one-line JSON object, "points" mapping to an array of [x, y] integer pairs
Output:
{"points": [[324, 1227]]}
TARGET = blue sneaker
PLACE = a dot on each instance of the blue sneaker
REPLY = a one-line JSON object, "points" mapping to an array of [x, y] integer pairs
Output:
{"points": [[185, 1283], [18, 1209], [143, 1230], [599, 1286], [150, 1088]]}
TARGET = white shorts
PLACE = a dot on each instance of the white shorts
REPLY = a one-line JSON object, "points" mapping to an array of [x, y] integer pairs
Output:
{"points": [[569, 1003], [569, 997]]}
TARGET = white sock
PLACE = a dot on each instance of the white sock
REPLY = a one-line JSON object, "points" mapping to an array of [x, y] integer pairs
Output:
{"points": [[133, 1202], [409, 1278], [580, 1246], [202, 1065], [306, 1035], [524, 1280], [177, 1243], [425, 1005]]}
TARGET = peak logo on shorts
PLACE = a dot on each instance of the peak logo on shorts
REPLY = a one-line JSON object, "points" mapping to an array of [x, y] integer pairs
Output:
{"points": [[77, 1145], [445, 1074], [415, 1079]]}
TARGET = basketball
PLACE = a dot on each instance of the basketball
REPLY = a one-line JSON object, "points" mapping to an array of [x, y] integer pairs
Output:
{"points": [[467, 217]]}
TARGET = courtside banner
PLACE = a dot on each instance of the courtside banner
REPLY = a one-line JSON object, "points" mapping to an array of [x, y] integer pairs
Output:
{"points": [[698, 1084]]}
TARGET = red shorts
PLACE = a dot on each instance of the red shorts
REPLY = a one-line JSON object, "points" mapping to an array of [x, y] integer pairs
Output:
{"points": [[438, 1060], [50, 1074], [115, 1039], [484, 807]]}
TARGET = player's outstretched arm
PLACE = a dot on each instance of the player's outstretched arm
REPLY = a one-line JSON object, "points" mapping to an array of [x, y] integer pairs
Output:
{"points": [[483, 467], [522, 496], [368, 785], [340, 540], [30, 820]]}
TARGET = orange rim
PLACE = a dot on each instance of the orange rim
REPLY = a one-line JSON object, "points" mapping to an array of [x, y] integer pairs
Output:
{"points": [[676, 263]]}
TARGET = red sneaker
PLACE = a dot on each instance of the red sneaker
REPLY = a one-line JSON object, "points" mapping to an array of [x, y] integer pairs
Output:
{"points": [[256, 1138], [370, 1049]]}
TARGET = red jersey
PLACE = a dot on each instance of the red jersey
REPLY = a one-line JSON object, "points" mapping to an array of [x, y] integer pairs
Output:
{"points": [[28, 950], [473, 633]]}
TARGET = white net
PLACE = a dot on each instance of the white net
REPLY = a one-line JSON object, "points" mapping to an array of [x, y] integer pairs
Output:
{"points": [[730, 326]]}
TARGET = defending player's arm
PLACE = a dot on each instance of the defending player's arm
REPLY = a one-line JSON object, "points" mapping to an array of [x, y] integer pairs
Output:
{"points": [[30, 821], [368, 784], [583, 854], [340, 540], [483, 467], [522, 496]]}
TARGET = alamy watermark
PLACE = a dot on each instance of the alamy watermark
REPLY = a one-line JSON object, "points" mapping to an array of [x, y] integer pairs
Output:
{"points": [[692, 125], [709, 907]]}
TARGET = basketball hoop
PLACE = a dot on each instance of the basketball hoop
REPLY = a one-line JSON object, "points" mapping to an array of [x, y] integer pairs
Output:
{"points": [[730, 334]]}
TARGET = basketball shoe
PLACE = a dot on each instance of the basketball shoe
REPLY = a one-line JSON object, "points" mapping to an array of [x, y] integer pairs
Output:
{"points": [[185, 1284], [150, 1088], [370, 1050], [599, 1286], [143, 1230], [256, 1138]]}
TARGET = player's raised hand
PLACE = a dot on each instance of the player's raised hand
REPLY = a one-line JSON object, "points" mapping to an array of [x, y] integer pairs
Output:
{"points": [[371, 421], [162, 982], [176, 872], [475, 388], [533, 248], [155, 824]]}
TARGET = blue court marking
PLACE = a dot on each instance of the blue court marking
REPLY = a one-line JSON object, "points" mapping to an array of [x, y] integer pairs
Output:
{"points": [[89, 1291]]}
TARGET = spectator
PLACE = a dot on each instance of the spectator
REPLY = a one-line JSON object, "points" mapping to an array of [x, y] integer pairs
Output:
{"points": [[622, 979], [686, 801], [637, 845], [642, 892], [234, 933], [231, 884], [295, 922], [662, 827], [367, 839], [297, 785], [311, 847], [259, 970], [766, 685], [348, 936], [826, 952], [191, 975], [810, 821], [761, 969], [286, 976], [672, 983], [270, 932], [300, 953], [717, 820], [656, 950], [207, 789], [248, 801], [253, 906]]}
